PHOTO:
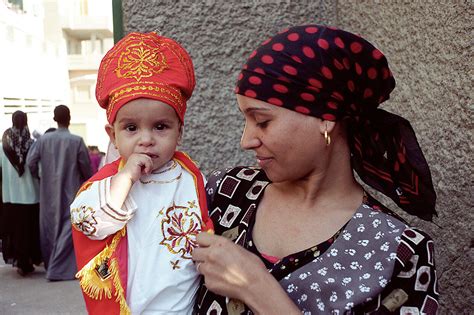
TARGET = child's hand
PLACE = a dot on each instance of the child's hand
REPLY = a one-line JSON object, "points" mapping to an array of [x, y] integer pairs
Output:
{"points": [[137, 165]]}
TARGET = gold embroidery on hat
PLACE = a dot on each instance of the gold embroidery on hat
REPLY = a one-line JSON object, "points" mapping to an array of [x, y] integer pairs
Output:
{"points": [[139, 61], [111, 56], [160, 90]]}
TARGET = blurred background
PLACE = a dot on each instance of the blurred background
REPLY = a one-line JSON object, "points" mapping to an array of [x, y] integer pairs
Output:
{"points": [[50, 53]]}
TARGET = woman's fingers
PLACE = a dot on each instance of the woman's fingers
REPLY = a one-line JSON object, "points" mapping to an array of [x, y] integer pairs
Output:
{"points": [[198, 265], [227, 268], [206, 239], [206, 242], [199, 254]]}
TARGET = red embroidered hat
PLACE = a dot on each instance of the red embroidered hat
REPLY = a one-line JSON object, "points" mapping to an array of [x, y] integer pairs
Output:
{"points": [[145, 66]]}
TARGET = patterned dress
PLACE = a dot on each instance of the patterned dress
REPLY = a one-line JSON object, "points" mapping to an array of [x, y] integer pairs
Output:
{"points": [[375, 264]]}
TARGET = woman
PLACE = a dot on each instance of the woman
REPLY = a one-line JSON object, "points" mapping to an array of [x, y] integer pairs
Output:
{"points": [[20, 218], [311, 239]]}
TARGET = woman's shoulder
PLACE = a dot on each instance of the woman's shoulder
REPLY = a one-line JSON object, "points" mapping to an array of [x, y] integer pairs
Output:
{"points": [[228, 180], [412, 241], [240, 172], [391, 216], [232, 195]]}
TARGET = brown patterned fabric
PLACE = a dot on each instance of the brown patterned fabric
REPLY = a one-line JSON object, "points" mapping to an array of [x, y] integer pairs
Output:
{"points": [[375, 264]]}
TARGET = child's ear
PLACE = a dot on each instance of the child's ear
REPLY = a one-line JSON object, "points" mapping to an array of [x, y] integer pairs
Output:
{"points": [[111, 132], [181, 132]]}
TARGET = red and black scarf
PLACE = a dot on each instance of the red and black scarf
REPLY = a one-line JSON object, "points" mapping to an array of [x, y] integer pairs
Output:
{"points": [[333, 74]]}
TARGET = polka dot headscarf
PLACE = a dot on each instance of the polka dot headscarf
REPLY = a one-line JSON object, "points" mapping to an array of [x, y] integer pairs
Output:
{"points": [[333, 74]]}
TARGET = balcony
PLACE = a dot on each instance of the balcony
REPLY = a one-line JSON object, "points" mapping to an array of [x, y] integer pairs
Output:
{"points": [[84, 62], [82, 27]]}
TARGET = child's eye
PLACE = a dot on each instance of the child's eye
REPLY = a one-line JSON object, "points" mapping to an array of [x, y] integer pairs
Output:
{"points": [[130, 127], [161, 126]]}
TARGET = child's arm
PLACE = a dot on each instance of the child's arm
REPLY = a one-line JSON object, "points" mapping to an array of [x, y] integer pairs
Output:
{"points": [[103, 207], [93, 214], [136, 166]]}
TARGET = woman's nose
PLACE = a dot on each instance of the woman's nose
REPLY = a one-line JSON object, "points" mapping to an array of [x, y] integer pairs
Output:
{"points": [[249, 139]]}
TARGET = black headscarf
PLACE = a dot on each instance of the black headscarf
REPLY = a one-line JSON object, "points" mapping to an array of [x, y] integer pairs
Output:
{"points": [[333, 74], [16, 141]]}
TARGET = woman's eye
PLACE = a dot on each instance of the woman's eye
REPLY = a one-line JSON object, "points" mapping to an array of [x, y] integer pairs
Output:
{"points": [[263, 124], [131, 128]]}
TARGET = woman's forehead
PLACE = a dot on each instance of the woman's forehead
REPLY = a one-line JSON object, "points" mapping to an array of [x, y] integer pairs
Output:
{"points": [[247, 104]]}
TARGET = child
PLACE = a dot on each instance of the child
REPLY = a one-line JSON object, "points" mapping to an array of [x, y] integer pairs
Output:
{"points": [[135, 221]]}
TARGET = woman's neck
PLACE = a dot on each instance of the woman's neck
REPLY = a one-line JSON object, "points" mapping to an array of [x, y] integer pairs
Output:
{"points": [[333, 183]]}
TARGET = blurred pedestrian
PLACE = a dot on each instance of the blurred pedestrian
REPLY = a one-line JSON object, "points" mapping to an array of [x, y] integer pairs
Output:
{"points": [[20, 197], [32, 148], [65, 165], [95, 158]]}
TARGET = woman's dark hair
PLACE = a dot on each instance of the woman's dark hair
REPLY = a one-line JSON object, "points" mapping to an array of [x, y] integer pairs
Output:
{"points": [[19, 119]]}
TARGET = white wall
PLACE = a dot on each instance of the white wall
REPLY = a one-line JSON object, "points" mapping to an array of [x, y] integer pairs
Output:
{"points": [[34, 75]]}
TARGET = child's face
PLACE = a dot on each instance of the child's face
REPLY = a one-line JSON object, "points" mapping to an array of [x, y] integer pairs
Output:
{"points": [[146, 126]]}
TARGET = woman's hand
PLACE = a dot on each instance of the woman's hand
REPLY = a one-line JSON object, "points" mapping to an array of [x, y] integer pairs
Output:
{"points": [[229, 269], [232, 271]]}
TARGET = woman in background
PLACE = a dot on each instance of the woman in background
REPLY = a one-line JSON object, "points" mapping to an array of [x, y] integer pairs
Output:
{"points": [[20, 196]]}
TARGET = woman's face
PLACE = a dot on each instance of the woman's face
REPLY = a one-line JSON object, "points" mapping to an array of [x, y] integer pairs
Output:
{"points": [[288, 145]]}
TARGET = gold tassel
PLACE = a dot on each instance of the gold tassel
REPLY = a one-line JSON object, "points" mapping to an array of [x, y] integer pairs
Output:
{"points": [[96, 287], [90, 282], [119, 292]]}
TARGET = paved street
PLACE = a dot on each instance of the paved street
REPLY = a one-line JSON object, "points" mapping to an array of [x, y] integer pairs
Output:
{"points": [[33, 294]]}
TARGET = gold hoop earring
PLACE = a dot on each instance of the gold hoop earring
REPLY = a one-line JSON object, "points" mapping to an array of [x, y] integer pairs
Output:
{"points": [[327, 137]]}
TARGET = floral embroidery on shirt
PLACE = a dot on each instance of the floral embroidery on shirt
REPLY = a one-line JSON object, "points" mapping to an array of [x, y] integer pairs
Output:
{"points": [[180, 227], [83, 219]]}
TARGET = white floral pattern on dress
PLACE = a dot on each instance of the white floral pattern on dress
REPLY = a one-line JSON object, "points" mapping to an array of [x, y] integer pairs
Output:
{"points": [[353, 269]]}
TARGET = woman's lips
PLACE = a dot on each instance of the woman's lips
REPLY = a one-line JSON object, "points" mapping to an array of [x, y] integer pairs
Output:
{"points": [[263, 161]]}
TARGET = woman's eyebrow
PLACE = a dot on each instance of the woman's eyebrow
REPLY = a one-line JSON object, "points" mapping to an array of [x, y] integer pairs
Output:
{"points": [[253, 109]]}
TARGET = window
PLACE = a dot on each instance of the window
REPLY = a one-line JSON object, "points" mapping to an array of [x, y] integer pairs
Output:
{"points": [[83, 93]]}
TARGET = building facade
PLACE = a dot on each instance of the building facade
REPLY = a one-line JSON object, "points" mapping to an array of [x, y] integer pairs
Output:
{"points": [[51, 51]]}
